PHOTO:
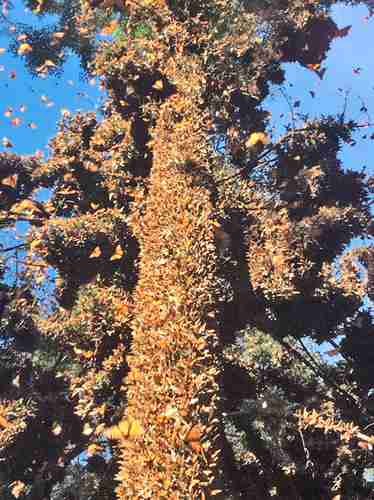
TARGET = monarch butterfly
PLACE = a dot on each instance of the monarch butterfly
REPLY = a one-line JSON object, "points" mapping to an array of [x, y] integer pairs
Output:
{"points": [[125, 429]]}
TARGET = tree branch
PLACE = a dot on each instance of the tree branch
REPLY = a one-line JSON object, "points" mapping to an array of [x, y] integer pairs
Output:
{"points": [[16, 247]]}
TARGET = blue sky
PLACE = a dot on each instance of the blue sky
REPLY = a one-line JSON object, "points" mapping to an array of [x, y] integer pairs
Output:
{"points": [[44, 98], [346, 54]]}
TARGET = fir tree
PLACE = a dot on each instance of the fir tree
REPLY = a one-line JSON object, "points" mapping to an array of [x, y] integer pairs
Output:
{"points": [[196, 259]]}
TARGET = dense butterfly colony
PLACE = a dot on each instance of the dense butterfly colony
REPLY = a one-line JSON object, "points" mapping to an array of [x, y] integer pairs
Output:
{"points": [[192, 255]]}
